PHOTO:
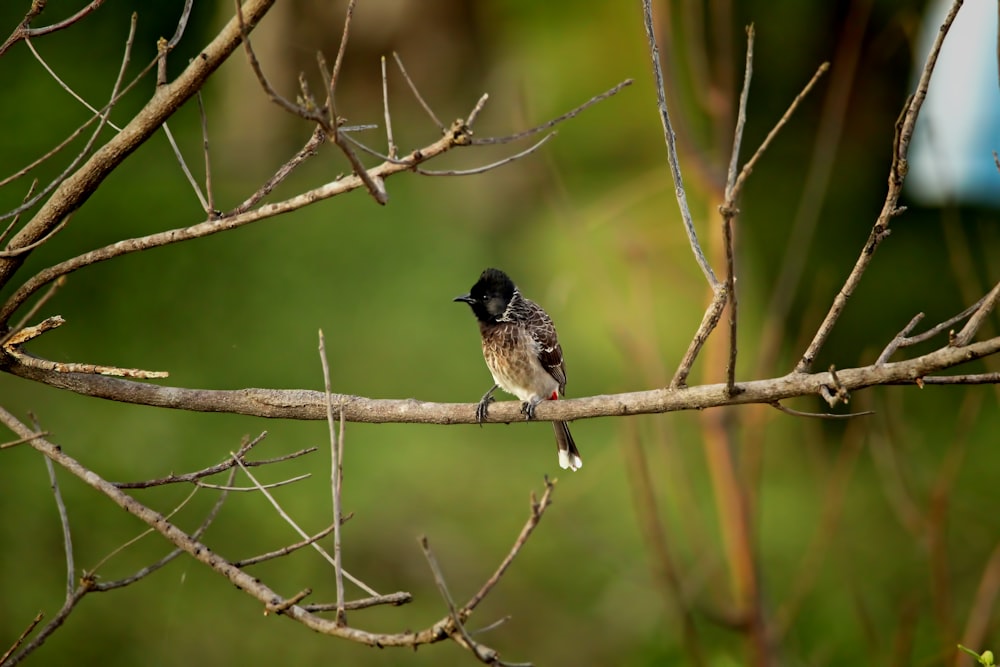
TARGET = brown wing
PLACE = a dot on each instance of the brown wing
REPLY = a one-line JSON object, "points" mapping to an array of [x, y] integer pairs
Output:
{"points": [[544, 333]]}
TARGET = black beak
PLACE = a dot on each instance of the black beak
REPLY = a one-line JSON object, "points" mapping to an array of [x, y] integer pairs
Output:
{"points": [[467, 298]]}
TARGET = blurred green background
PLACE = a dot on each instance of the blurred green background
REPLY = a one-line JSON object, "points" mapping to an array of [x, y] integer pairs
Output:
{"points": [[872, 537]]}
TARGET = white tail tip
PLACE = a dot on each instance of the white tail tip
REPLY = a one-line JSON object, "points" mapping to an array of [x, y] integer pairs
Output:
{"points": [[569, 461]]}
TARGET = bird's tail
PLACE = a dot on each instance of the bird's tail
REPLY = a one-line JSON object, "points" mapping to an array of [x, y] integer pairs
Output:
{"points": [[569, 455]]}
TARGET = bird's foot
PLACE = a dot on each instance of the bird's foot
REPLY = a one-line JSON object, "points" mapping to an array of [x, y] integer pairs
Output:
{"points": [[484, 406], [528, 409]]}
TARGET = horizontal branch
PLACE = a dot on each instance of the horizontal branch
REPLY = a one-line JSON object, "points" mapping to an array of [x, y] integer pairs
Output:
{"points": [[308, 404]]}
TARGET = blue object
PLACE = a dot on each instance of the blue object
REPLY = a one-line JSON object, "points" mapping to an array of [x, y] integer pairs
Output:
{"points": [[951, 155]]}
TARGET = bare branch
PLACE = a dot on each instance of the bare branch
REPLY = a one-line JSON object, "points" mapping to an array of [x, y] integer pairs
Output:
{"points": [[671, 141], [963, 337], [572, 113], [336, 476], [819, 415], [24, 32], [306, 404], [487, 167], [27, 631], [416, 93], [890, 208], [390, 143], [708, 323], [77, 187]]}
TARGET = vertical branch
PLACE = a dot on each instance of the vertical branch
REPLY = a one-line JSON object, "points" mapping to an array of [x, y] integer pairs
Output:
{"points": [[336, 477], [729, 213]]}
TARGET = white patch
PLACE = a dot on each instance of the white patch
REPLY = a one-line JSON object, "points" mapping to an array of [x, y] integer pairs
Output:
{"points": [[568, 462]]}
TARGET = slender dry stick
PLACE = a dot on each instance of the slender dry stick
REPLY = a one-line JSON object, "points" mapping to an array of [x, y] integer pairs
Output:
{"points": [[822, 160], [291, 522], [65, 86], [23, 31], [283, 551], [102, 117], [729, 213], [122, 547], [572, 113], [203, 554], [17, 216], [390, 144], [486, 167], [24, 635], [903, 339], [338, 63], [64, 522], [211, 210], [890, 208], [668, 135], [192, 181], [310, 149], [708, 323], [487, 656], [963, 337], [416, 93], [336, 477], [752, 162]]}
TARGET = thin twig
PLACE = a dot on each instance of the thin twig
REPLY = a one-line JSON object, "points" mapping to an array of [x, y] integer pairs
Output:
{"points": [[64, 522], [24, 32], [291, 522], [729, 213], [181, 24], [890, 208], [394, 599], [819, 415], [390, 143], [17, 216], [416, 93], [336, 477], [474, 114], [963, 337], [283, 551], [708, 323], [486, 167], [270, 485], [65, 86], [752, 162], [335, 75], [671, 141], [572, 113], [149, 569], [483, 654], [27, 631], [37, 306], [21, 441], [310, 149], [903, 339], [538, 508], [210, 211], [192, 181]]}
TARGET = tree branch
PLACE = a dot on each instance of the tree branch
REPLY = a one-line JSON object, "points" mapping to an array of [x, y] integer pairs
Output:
{"points": [[308, 404]]}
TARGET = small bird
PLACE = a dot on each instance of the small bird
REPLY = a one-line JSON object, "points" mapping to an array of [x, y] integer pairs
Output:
{"points": [[522, 352]]}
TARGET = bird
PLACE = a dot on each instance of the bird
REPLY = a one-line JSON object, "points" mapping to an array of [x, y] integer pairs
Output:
{"points": [[522, 351]]}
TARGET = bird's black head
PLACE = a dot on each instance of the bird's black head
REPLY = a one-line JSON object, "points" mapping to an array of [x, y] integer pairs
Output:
{"points": [[490, 296]]}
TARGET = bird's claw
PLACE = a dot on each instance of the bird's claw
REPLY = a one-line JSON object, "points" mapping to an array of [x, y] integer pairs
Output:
{"points": [[528, 410], [483, 408]]}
